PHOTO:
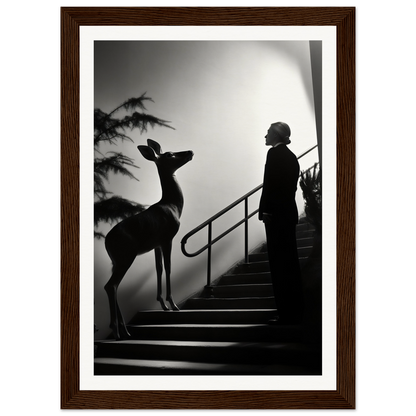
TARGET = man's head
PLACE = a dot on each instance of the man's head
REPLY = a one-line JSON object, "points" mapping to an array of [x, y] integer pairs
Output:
{"points": [[278, 133]]}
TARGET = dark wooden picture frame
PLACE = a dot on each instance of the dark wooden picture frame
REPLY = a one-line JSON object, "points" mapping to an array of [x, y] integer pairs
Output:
{"points": [[343, 18]]}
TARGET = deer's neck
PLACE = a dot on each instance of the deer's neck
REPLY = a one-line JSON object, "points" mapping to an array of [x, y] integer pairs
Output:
{"points": [[171, 191]]}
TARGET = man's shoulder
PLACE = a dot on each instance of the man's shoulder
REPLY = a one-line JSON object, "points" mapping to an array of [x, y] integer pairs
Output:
{"points": [[281, 150], [282, 157]]}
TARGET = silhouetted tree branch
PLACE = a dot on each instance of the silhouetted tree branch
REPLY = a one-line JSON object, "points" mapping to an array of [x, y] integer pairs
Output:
{"points": [[110, 129]]}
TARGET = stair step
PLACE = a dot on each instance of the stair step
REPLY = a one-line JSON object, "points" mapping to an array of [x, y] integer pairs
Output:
{"points": [[304, 233], [239, 290], [252, 267], [305, 251], [209, 316], [304, 226], [216, 332], [258, 257], [120, 366], [304, 242], [230, 303], [244, 278], [224, 331], [260, 261], [211, 352]]}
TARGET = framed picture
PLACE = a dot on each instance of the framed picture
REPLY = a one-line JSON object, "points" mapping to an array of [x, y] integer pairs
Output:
{"points": [[213, 80]]}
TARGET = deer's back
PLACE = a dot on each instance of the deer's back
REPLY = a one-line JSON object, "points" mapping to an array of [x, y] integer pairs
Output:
{"points": [[144, 231]]}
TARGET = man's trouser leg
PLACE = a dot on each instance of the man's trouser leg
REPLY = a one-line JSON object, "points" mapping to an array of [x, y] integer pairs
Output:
{"points": [[285, 269]]}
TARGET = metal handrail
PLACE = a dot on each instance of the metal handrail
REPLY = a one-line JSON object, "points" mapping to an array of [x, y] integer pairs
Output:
{"points": [[208, 223]]}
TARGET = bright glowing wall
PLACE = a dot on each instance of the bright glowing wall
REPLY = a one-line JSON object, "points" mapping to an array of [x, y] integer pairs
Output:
{"points": [[221, 98]]}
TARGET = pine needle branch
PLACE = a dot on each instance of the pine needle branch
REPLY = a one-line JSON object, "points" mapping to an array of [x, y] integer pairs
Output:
{"points": [[115, 209], [115, 164], [133, 103]]}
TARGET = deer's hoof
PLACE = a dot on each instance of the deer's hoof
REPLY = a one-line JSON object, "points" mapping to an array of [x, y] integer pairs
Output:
{"points": [[124, 333], [173, 305], [120, 332], [163, 305], [115, 330]]}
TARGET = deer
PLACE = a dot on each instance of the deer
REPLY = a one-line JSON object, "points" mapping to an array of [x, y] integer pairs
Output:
{"points": [[151, 229]]}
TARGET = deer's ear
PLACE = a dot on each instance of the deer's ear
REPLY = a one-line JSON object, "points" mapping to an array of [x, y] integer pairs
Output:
{"points": [[155, 146], [147, 152]]}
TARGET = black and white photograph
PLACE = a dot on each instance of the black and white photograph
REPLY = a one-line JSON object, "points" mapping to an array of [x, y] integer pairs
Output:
{"points": [[183, 130], [208, 207]]}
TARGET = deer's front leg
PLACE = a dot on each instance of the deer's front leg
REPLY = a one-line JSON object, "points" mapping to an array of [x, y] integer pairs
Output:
{"points": [[167, 250], [159, 270]]}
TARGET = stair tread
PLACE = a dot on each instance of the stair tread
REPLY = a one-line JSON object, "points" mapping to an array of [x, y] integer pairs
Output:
{"points": [[264, 262], [230, 303], [245, 285], [233, 290], [203, 315], [254, 298], [245, 345], [241, 286], [246, 273], [240, 345], [137, 366], [201, 325], [272, 349], [260, 273], [228, 352], [193, 311], [216, 332], [230, 311], [274, 346]]}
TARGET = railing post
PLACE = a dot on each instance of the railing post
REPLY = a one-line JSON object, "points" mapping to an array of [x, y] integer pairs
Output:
{"points": [[209, 254], [246, 230]]}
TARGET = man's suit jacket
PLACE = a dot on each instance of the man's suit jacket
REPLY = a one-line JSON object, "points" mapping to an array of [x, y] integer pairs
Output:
{"points": [[281, 175]]}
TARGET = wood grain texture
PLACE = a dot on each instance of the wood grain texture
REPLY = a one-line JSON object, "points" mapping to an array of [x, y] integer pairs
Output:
{"points": [[69, 208], [71, 396], [154, 16], [346, 207]]}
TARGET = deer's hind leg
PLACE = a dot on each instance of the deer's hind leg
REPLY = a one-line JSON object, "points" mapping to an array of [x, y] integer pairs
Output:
{"points": [[159, 271], [117, 323]]}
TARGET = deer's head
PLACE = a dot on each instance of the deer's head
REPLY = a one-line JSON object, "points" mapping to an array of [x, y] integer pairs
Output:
{"points": [[168, 162]]}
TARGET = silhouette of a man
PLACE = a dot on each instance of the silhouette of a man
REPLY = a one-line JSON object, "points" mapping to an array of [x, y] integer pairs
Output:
{"points": [[279, 213]]}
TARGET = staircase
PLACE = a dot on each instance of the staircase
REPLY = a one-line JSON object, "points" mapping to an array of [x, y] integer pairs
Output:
{"points": [[220, 331]]}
